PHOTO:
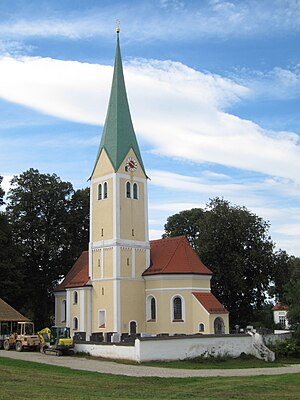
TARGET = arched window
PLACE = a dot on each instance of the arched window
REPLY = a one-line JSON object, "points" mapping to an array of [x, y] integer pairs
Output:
{"points": [[99, 191], [201, 327], [132, 328], [177, 309], [219, 326], [151, 309], [135, 191], [63, 310], [128, 190], [105, 190], [75, 297], [75, 323]]}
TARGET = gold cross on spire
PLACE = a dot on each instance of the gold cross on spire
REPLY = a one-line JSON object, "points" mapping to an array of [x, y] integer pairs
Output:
{"points": [[118, 26]]}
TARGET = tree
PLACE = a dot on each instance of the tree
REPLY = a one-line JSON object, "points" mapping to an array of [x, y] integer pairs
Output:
{"points": [[78, 221], [234, 243], [283, 265], [2, 193], [292, 296], [185, 223], [39, 209], [11, 276]]}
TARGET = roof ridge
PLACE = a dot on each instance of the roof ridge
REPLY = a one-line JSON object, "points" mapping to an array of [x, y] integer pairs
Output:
{"points": [[174, 253]]}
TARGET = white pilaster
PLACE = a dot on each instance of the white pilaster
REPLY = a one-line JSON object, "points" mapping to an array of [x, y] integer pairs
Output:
{"points": [[68, 306]]}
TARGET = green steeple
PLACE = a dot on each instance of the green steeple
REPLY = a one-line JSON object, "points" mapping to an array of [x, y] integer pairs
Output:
{"points": [[118, 135]]}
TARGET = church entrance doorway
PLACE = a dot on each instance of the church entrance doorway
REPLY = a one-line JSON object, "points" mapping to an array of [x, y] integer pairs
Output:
{"points": [[219, 326]]}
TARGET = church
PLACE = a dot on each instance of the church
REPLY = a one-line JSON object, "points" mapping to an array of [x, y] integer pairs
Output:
{"points": [[126, 285]]}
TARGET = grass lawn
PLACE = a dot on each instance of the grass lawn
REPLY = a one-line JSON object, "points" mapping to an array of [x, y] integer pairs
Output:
{"points": [[26, 380], [224, 363]]}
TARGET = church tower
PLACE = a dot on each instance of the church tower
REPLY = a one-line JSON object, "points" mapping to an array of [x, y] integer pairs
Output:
{"points": [[119, 250]]}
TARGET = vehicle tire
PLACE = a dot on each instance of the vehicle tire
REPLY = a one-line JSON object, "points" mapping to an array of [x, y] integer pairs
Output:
{"points": [[19, 346], [6, 345]]}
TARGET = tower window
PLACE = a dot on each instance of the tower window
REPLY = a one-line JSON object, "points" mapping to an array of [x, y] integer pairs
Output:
{"points": [[135, 191], [105, 190], [128, 190], [99, 191]]}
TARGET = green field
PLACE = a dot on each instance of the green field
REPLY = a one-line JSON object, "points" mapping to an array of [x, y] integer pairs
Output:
{"points": [[224, 363], [27, 380]]}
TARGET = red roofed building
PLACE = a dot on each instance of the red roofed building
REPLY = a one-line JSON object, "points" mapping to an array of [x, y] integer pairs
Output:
{"points": [[280, 315], [125, 283]]}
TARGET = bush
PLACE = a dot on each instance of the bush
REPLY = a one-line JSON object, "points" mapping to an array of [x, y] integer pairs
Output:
{"points": [[286, 349]]}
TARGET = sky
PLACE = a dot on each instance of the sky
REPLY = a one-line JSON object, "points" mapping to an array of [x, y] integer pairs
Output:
{"points": [[213, 88]]}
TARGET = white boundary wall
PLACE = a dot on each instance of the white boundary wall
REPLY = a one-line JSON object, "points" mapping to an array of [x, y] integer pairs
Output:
{"points": [[112, 351], [173, 348]]}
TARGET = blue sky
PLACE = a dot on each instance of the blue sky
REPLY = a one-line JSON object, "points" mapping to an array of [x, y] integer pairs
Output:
{"points": [[213, 87]]}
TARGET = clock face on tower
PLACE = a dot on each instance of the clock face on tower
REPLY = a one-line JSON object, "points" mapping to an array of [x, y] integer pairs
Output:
{"points": [[131, 164]]}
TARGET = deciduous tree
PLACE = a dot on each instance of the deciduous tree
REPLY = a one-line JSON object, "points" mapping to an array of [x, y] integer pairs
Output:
{"points": [[11, 275], [235, 244], [39, 210]]}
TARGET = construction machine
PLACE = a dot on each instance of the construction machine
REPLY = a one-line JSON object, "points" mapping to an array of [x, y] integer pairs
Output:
{"points": [[56, 340], [23, 338]]}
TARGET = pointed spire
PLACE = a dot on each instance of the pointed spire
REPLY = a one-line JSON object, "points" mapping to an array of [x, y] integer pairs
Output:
{"points": [[118, 135]]}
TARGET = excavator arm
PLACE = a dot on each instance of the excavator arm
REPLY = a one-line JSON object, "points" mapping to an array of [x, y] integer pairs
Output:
{"points": [[44, 335]]}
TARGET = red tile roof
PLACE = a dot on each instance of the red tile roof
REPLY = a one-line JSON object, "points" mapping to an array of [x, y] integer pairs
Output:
{"points": [[78, 275], [174, 256], [280, 306], [210, 303]]}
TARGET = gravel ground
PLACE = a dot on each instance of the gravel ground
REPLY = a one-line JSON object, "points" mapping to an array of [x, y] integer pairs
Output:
{"points": [[110, 367]]}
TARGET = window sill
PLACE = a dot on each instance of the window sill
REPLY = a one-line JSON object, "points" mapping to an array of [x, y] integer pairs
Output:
{"points": [[151, 320], [178, 320]]}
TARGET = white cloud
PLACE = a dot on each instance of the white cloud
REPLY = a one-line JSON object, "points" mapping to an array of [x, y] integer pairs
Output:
{"points": [[6, 182], [278, 83], [182, 106], [158, 20], [155, 233]]}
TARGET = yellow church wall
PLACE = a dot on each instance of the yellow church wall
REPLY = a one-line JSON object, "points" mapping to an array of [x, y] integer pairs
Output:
{"points": [[132, 303], [103, 263], [140, 262], [225, 318], [196, 282], [103, 166], [107, 263], [59, 298], [102, 226], [103, 296], [97, 264], [132, 212], [139, 173], [165, 323], [200, 316], [126, 262]]}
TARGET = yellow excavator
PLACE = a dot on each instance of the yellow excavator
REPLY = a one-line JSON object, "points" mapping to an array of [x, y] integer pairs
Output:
{"points": [[56, 341]]}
